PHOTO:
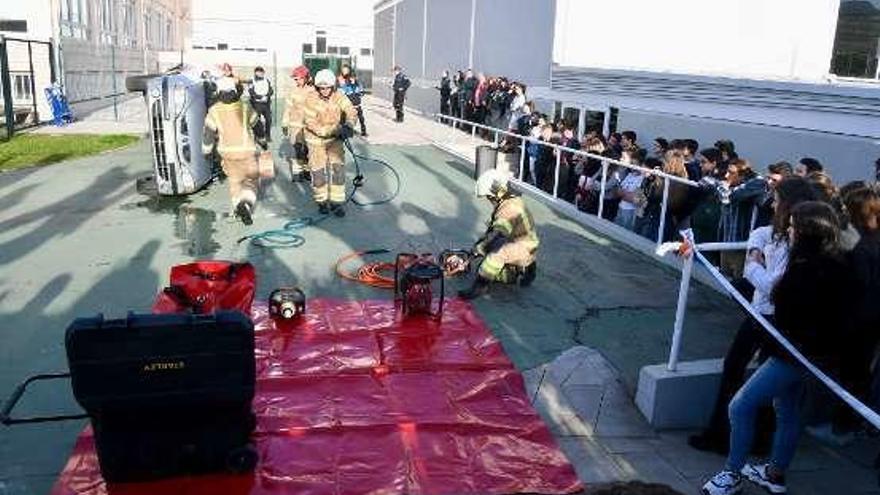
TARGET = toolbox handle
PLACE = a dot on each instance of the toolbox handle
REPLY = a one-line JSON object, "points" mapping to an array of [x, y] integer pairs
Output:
{"points": [[5, 413]]}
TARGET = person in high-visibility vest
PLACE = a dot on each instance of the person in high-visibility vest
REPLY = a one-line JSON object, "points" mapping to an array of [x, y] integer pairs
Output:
{"points": [[229, 126], [329, 118], [292, 123], [510, 245]]}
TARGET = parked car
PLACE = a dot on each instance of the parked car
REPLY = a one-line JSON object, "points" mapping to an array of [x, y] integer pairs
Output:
{"points": [[177, 103]]}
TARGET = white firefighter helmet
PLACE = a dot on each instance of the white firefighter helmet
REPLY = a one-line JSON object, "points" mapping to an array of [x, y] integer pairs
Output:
{"points": [[325, 79], [492, 182]]}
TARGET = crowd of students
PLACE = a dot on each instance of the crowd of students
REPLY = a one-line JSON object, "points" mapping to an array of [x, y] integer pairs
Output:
{"points": [[491, 101], [812, 268]]}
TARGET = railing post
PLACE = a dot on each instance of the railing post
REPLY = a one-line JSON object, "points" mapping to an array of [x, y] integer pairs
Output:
{"points": [[451, 131], [602, 191], [522, 158], [556, 179], [662, 226], [495, 141], [674, 348], [473, 131]]}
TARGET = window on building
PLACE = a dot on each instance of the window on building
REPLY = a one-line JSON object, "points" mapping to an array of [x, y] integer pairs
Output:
{"points": [[857, 41], [366, 52], [594, 121], [107, 32], [128, 35], [169, 35], [160, 32], [73, 18], [343, 50], [223, 46], [321, 44], [22, 88], [307, 48], [13, 26], [332, 50], [149, 41]]}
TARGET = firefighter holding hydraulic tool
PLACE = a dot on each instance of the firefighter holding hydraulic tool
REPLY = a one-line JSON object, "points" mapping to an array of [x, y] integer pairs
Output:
{"points": [[510, 244], [329, 119]]}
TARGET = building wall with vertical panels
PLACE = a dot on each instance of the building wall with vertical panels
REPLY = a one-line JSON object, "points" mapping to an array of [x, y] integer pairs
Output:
{"points": [[513, 38], [408, 27], [383, 46], [448, 40]]}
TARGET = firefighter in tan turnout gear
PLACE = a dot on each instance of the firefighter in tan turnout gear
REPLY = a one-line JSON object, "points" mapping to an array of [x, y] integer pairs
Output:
{"points": [[510, 244], [292, 123], [229, 126], [329, 118]]}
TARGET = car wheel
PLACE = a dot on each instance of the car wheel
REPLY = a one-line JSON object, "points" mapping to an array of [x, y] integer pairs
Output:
{"points": [[138, 84]]}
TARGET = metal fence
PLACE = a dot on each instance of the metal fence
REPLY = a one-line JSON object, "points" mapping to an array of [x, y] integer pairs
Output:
{"points": [[26, 69], [456, 124]]}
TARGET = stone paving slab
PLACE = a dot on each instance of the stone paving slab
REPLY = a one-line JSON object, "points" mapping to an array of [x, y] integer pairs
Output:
{"points": [[581, 385]]}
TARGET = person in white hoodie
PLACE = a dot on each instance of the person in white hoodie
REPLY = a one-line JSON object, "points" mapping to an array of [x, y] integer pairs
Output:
{"points": [[766, 259]]}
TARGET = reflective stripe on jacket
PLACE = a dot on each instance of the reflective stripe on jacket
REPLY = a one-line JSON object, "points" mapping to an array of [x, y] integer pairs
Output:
{"points": [[230, 126]]}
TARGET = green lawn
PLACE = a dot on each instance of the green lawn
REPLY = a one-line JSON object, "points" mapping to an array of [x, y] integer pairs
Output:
{"points": [[25, 150]]}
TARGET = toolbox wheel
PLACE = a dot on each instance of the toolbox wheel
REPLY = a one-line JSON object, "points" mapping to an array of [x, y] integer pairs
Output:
{"points": [[242, 460]]}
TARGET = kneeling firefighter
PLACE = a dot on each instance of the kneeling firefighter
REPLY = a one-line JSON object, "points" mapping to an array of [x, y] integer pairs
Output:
{"points": [[510, 245], [230, 126], [292, 123], [329, 118]]}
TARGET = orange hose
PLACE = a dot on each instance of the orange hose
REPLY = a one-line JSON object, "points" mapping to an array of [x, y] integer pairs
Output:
{"points": [[370, 273]]}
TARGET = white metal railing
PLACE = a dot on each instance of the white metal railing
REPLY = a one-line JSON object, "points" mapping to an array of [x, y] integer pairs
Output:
{"points": [[457, 122], [693, 252]]}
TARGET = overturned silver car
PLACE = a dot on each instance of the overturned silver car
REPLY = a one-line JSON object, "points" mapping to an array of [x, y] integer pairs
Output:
{"points": [[177, 102]]}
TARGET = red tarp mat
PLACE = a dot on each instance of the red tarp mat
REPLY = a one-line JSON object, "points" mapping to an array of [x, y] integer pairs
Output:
{"points": [[353, 399]]}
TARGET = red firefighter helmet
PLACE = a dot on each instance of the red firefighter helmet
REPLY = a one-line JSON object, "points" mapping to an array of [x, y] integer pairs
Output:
{"points": [[301, 72]]}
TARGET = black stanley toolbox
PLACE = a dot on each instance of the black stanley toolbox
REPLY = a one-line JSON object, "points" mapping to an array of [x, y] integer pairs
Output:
{"points": [[167, 394]]}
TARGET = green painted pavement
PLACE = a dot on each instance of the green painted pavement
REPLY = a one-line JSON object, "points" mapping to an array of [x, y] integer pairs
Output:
{"points": [[76, 239]]}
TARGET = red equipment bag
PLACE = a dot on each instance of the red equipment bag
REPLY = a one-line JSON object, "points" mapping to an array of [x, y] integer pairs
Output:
{"points": [[204, 287]]}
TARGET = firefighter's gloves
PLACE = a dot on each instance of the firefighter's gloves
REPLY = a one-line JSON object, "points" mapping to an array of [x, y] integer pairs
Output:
{"points": [[345, 131]]}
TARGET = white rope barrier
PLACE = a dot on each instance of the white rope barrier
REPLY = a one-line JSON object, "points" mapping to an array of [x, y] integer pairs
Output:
{"points": [[866, 412]]}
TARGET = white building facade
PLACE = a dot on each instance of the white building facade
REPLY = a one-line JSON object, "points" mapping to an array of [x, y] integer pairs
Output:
{"points": [[278, 37], [98, 43], [782, 79]]}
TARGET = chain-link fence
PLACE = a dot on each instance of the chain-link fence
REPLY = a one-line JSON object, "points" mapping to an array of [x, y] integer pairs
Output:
{"points": [[27, 70]]}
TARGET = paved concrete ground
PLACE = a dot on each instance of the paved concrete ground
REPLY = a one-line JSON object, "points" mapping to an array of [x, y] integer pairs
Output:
{"points": [[129, 117], [76, 239]]}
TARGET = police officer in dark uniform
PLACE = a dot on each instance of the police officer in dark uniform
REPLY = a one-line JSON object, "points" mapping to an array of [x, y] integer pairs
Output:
{"points": [[401, 84], [260, 92], [445, 92]]}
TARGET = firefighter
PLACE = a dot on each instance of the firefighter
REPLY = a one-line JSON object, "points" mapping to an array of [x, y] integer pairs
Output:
{"points": [[329, 118], [260, 93], [349, 85], [229, 126], [510, 245], [292, 123]]}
